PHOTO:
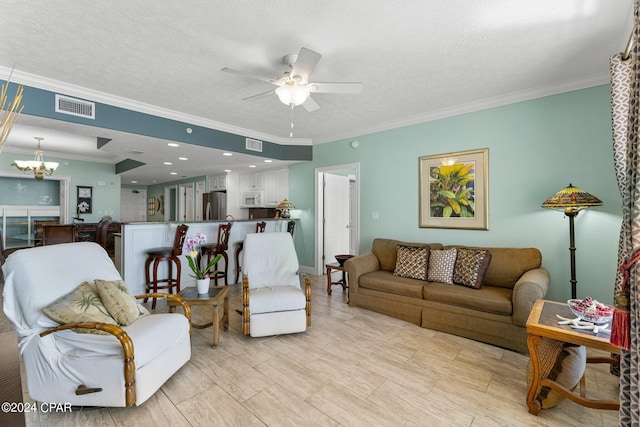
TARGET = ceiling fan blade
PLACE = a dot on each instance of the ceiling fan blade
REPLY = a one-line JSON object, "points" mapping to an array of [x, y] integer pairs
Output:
{"points": [[306, 62], [250, 75], [310, 105], [259, 96], [328, 87]]}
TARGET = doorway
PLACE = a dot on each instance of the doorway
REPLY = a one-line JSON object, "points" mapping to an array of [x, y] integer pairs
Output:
{"points": [[185, 203], [337, 213]]}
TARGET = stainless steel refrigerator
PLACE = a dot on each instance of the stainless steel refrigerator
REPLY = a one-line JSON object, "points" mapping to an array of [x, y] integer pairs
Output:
{"points": [[214, 206]]}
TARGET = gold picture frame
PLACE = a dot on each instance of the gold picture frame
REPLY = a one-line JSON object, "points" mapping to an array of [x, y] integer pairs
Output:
{"points": [[454, 190]]}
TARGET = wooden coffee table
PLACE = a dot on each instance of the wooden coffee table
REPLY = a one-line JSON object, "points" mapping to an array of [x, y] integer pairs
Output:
{"points": [[218, 296], [543, 322]]}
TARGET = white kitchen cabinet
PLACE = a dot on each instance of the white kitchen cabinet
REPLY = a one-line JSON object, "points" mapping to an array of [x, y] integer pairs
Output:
{"points": [[254, 181], [218, 182], [283, 184], [276, 186]]}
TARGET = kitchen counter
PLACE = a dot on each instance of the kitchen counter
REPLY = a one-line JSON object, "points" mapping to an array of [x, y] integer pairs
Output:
{"points": [[138, 237]]}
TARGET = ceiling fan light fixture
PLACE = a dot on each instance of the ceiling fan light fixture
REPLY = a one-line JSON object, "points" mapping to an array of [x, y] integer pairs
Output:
{"points": [[293, 95]]}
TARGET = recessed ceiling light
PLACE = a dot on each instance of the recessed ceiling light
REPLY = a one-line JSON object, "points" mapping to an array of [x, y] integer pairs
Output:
{"points": [[174, 173], [134, 182], [252, 166], [182, 158], [268, 161], [227, 154], [173, 144], [167, 163], [227, 170]]}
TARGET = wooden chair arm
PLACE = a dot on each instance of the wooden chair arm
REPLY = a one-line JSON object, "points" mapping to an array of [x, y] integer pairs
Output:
{"points": [[185, 307], [307, 294], [127, 348], [246, 315]]}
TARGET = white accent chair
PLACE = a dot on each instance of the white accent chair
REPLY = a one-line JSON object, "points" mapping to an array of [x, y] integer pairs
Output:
{"points": [[273, 301], [83, 369]]}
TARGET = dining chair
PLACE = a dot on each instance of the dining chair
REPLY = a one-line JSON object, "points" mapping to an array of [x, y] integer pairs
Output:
{"points": [[53, 234], [219, 247]]}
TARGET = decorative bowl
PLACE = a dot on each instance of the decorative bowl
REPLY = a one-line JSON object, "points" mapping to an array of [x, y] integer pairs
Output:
{"points": [[591, 311], [342, 258]]}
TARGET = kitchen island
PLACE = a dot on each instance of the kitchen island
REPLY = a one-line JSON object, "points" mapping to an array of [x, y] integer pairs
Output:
{"points": [[138, 237]]}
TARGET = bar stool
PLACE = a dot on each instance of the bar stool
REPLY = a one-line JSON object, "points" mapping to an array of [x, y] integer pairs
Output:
{"points": [[171, 255], [213, 249], [260, 226]]}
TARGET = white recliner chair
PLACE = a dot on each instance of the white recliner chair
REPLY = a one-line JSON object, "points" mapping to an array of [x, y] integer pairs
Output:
{"points": [[273, 300], [126, 366]]}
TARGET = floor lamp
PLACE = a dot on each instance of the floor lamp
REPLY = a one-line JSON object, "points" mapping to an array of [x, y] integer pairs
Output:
{"points": [[572, 200]]}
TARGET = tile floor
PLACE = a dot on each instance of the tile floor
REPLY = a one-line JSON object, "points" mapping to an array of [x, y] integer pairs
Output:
{"points": [[352, 367]]}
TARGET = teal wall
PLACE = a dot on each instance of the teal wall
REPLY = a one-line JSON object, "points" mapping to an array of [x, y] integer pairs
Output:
{"points": [[535, 149], [100, 176]]}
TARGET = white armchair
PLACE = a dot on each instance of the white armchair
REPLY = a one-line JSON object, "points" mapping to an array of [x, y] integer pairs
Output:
{"points": [[86, 369], [273, 301]]}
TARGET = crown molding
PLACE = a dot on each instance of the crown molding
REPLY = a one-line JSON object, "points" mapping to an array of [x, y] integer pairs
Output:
{"points": [[482, 104], [56, 86]]}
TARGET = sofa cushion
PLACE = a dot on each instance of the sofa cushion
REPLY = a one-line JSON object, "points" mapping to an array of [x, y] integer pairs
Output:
{"points": [[120, 304], [471, 267], [490, 299], [508, 264], [441, 265], [81, 305], [411, 262], [385, 281], [386, 250]]}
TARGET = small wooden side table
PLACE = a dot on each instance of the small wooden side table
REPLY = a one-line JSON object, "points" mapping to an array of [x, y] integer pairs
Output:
{"points": [[543, 322], [218, 296], [342, 282]]}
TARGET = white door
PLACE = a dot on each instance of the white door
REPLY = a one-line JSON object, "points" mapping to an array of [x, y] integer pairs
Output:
{"points": [[185, 205], [199, 193], [336, 216], [353, 216]]}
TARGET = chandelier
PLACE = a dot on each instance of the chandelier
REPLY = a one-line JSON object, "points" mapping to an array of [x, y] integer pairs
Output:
{"points": [[37, 166]]}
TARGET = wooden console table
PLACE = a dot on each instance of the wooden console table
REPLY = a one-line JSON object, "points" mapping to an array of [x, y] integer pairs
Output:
{"points": [[543, 323]]}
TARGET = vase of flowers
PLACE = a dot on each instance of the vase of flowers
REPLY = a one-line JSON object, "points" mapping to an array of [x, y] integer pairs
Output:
{"points": [[192, 245]]}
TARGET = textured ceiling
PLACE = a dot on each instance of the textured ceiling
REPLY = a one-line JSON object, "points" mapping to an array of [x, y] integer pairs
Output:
{"points": [[417, 59]]}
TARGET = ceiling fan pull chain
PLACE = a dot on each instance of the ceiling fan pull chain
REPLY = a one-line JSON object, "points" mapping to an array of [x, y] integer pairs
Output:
{"points": [[291, 120]]}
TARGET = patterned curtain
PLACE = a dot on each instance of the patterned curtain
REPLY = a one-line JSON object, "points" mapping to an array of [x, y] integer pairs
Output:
{"points": [[625, 100]]}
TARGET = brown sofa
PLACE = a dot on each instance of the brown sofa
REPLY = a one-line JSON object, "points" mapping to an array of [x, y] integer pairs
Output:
{"points": [[496, 313]]}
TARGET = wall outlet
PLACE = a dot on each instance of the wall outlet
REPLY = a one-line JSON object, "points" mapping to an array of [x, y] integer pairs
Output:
{"points": [[375, 215]]}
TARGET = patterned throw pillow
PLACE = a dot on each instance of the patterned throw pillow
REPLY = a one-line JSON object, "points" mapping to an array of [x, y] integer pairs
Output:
{"points": [[471, 267], [83, 304], [441, 265], [118, 301], [411, 262]]}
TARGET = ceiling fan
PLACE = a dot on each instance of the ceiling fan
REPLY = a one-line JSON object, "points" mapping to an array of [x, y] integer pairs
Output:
{"points": [[294, 87]]}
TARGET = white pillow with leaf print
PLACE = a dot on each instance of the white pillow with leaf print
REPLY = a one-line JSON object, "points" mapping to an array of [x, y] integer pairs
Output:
{"points": [[122, 306], [81, 305]]}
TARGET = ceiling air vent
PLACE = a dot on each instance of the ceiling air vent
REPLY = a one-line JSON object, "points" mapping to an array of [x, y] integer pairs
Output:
{"points": [[253, 145], [75, 107]]}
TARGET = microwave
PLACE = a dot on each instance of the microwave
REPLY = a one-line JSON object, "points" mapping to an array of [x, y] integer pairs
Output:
{"points": [[252, 199]]}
